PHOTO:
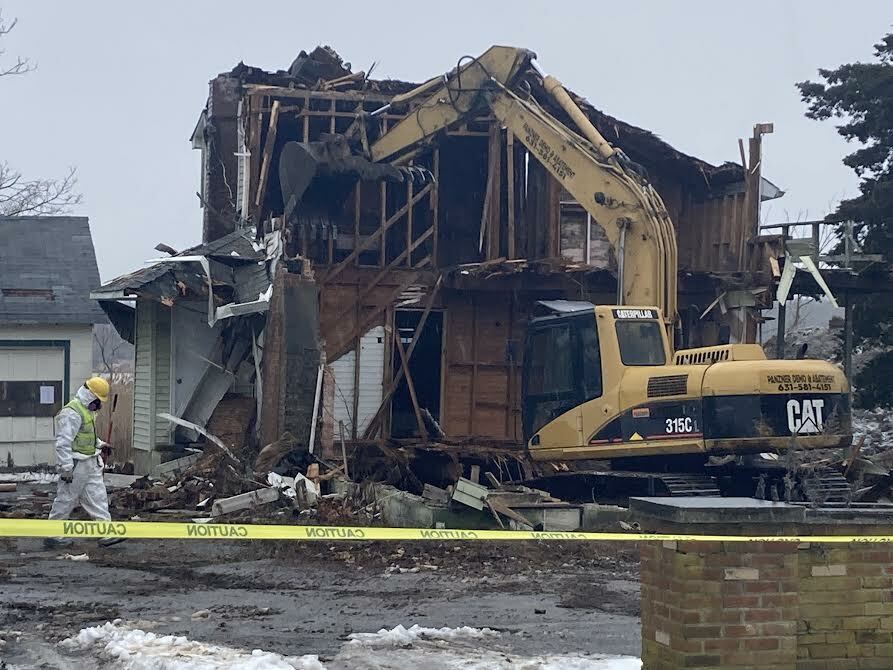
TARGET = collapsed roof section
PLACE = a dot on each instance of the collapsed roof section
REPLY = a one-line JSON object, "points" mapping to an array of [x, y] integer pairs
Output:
{"points": [[233, 273]]}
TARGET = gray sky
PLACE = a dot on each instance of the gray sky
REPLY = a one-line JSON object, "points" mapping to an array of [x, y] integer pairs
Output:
{"points": [[119, 85]]}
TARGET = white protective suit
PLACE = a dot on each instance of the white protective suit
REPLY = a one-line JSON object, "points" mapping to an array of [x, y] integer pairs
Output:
{"points": [[87, 487]]}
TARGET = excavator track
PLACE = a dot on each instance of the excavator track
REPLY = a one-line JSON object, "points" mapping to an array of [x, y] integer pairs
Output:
{"points": [[681, 485], [825, 486]]}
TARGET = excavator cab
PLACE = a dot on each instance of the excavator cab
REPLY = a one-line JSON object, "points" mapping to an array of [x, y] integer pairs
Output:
{"points": [[576, 356]]}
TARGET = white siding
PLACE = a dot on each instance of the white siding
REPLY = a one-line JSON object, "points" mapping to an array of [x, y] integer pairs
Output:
{"points": [[29, 440], [371, 375], [142, 377], [151, 386]]}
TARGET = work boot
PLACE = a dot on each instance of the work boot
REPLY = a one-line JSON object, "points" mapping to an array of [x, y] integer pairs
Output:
{"points": [[110, 541], [53, 543]]}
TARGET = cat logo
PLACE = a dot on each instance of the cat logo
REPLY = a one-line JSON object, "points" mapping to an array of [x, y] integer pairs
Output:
{"points": [[806, 416]]}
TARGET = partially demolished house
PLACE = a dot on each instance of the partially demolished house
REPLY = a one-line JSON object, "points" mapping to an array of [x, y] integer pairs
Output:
{"points": [[396, 309]]}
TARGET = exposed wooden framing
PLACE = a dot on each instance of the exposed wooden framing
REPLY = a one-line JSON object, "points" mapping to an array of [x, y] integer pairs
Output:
{"points": [[409, 188], [388, 377], [372, 285], [346, 345], [306, 127], [332, 116], [372, 428], [474, 360], [265, 162], [358, 249], [357, 195], [356, 367], [553, 198], [404, 365], [435, 203], [510, 184]]}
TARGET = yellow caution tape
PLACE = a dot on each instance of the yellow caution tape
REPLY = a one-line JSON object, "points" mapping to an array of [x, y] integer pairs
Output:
{"points": [[153, 530]]}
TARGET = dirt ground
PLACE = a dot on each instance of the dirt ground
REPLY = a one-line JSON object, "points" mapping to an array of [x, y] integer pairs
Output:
{"points": [[296, 599]]}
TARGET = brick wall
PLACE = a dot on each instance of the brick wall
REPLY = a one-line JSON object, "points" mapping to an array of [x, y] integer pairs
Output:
{"points": [[718, 605], [767, 604], [846, 607]]}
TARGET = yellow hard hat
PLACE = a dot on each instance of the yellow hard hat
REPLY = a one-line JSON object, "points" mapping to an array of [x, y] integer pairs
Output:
{"points": [[98, 387]]}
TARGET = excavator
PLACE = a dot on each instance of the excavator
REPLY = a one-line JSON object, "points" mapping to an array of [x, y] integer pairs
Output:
{"points": [[608, 406]]}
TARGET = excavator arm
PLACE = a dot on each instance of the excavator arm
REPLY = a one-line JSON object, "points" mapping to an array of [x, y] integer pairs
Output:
{"points": [[599, 176]]}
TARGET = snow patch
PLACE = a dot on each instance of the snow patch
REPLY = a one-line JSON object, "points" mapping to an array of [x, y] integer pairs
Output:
{"points": [[400, 648], [136, 649], [402, 637]]}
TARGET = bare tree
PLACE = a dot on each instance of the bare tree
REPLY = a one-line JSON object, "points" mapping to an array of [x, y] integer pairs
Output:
{"points": [[107, 347], [20, 196]]}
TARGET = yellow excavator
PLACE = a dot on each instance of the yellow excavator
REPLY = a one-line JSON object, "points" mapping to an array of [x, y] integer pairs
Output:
{"points": [[605, 398]]}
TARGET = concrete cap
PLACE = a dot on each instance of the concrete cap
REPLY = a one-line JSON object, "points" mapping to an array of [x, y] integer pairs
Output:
{"points": [[700, 509]]}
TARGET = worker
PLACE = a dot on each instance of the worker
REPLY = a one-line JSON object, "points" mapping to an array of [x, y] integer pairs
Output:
{"points": [[79, 458]]}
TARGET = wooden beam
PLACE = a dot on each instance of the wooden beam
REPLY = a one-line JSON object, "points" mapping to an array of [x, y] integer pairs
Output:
{"points": [[383, 247], [356, 367], [474, 369], [345, 345], [493, 246], [510, 185], [358, 249], [404, 365], [265, 162], [488, 196], [409, 220], [373, 424], [357, 195], [371, 286], [435, 203]]}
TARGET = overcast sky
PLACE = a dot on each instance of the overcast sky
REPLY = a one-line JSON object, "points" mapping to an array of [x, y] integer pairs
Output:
{"points": [[119, 85]]}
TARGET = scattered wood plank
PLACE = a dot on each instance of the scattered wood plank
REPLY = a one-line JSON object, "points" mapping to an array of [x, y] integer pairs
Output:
{"points": [[474, 473], [404, 365], [491, 479], [468, 493], [508, 512]]}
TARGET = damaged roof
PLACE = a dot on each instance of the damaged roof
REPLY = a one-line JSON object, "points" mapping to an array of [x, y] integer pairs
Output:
{"points": [[323, 68], [47, 270], [233, 247]]}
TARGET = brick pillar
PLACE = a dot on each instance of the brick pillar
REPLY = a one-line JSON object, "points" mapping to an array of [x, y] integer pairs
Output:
{"points": [[719, 605], [846, 607]]}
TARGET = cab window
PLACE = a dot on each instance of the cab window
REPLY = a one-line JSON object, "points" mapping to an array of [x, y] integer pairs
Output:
{"points": [[551, 361], [641, 343]]}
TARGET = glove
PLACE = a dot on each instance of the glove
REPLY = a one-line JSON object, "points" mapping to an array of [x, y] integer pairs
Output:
{"points": [[67, 476]]}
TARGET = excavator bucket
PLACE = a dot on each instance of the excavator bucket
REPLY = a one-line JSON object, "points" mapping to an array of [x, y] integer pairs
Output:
{"points": [[314, 173]]}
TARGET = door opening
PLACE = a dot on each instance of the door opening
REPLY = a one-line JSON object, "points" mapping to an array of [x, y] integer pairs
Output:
{"points": [[424, 368]]}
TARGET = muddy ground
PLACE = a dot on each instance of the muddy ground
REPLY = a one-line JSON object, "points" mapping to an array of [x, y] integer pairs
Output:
{"points": [[297, 599]]}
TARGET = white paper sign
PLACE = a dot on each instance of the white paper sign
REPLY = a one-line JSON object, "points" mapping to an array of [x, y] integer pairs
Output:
{"points": [[47, 395]]}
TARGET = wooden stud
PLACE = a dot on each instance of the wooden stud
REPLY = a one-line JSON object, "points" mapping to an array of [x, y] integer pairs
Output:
{"points": [[306, 124], [474, 360], [510, 185], [409, 209], [358, 249], [357, 195], [383, 198], [488, 196], [435, 204], [404, 364], [265, 161], [496, 197], [356, 367]]}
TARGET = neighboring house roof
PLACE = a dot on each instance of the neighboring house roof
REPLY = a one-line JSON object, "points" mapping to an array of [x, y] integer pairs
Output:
{"points": [[47, 270]]}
